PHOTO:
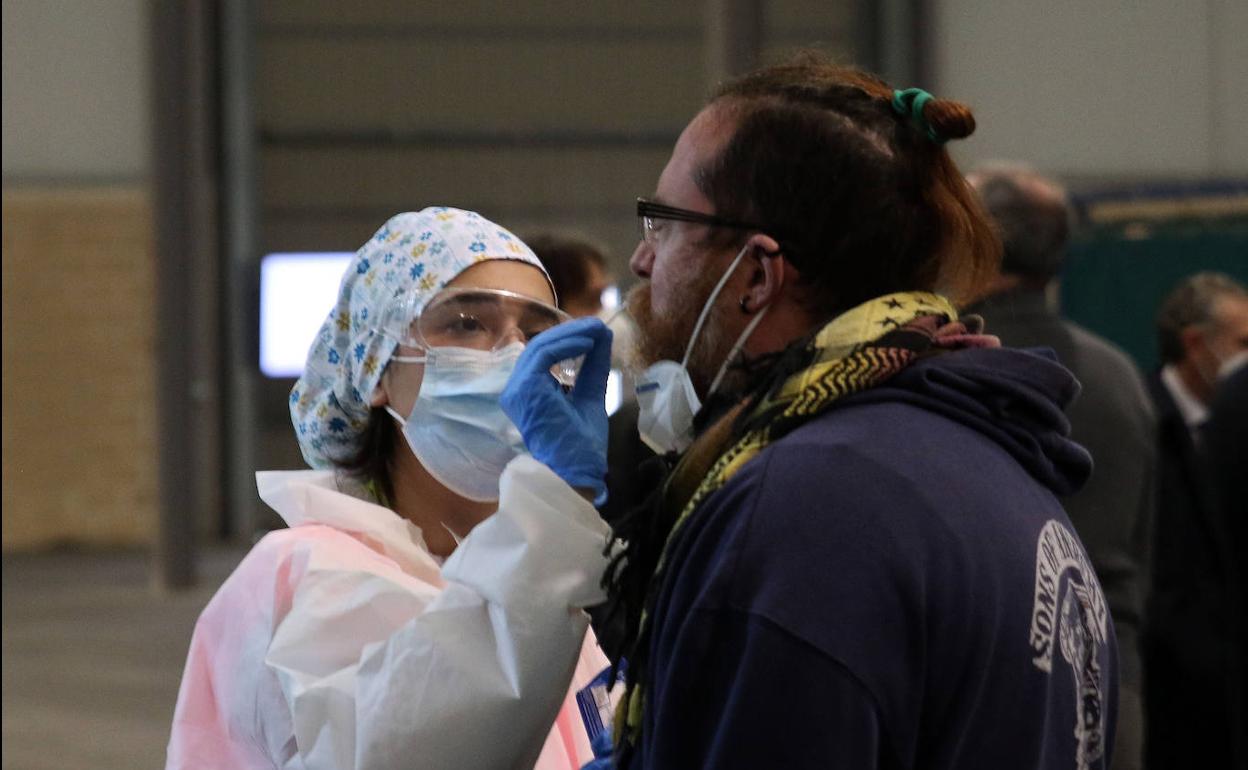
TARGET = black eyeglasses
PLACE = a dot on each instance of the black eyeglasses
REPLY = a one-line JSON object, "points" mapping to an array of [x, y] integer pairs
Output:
{"points": [[649, 211]]}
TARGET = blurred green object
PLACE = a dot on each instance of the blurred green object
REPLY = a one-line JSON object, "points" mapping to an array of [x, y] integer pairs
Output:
{"points": [[1138, 245]]}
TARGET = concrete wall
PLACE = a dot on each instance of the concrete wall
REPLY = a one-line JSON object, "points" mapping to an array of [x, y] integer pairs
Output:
{"points": [[550, 114], [75, 90], [1123, 88], [78, 296], [554, 114]]}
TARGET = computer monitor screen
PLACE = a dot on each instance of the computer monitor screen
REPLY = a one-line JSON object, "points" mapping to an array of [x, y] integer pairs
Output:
{"points": [[297, 291]]}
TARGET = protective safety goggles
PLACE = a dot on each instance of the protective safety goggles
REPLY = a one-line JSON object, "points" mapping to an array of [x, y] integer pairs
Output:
{"points": [[477, 319]]}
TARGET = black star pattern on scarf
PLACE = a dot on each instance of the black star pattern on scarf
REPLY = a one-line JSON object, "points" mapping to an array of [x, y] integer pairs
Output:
{"points": [[888, 321], [893, 304]]}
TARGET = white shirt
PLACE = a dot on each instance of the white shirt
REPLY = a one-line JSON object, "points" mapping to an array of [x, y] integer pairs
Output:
{"points": [[1193, 410], [340, 643]]}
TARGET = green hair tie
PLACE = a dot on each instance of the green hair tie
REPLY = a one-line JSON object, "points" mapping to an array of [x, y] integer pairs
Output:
{"points": [[909, 104]]}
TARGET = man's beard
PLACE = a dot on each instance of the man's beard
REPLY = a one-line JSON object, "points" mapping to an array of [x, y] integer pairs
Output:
{"points": [[665, 338]]}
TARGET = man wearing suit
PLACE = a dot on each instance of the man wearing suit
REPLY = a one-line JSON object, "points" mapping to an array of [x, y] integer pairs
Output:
{"points": [[1202, 327], [1225, 440], [1112, 417]]}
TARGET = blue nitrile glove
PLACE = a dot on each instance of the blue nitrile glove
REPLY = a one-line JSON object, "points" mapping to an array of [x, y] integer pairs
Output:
{"points": [[565, 431], [603, 752]]}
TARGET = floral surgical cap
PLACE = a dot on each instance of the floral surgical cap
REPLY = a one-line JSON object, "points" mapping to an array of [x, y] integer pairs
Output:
{"points": [[411, 258]]}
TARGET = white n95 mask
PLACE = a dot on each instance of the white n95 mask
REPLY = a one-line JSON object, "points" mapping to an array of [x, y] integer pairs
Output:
{"points": [[666, 405], [457, 429], [666, 399]]}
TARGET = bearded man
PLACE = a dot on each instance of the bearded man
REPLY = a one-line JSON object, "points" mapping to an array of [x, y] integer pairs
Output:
{"points": [[858, 558]]}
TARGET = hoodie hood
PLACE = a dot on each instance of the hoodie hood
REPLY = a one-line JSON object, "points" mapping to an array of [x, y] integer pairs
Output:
{"points": [[1017, 398]]}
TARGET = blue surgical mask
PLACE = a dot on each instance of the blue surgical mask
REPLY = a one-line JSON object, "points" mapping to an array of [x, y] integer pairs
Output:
{"points": [[457, 429]]}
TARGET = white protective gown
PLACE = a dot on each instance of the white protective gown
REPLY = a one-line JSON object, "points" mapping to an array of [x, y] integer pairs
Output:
{"points": [[339, 643]]}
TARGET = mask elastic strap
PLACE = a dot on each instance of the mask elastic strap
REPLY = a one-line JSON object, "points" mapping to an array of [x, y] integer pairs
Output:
{"points": [[706, 309], [398, 418], [397, 342], [736, 349], [458, 540]]}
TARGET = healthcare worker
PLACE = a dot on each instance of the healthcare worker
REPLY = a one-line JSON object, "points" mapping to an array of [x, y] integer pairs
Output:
{"points": [[423, 609]]}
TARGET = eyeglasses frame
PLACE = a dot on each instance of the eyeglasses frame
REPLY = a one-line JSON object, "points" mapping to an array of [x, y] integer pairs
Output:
{"points": [[648, 209]]}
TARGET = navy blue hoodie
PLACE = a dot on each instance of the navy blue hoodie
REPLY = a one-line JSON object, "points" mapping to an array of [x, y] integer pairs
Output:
{"points": [[893, 585]]}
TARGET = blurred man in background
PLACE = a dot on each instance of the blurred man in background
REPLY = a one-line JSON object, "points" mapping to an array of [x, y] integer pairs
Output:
{"points": [[1203, 330], [1112, 417], [1225, 440], [578, 269]]}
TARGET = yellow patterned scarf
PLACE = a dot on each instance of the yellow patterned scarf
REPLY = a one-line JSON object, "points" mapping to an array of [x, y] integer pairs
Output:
{"points": [[855, 351]]}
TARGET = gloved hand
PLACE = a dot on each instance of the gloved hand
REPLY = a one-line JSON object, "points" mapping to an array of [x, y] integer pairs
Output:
{"points": [[565, 431], [603, 753]]}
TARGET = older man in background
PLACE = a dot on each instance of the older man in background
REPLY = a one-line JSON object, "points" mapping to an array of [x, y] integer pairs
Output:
{"points": [[1225, 441], [1112, 417], [1203, 330]]}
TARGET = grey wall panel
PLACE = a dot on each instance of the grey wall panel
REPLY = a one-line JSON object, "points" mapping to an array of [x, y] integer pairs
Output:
{"points": [[808, 18], [1113, 88], [1229, 64], [76, 91], [316, 230], [346, 231], [397, 85], [541, 182], [540, 115], [540, 16]]}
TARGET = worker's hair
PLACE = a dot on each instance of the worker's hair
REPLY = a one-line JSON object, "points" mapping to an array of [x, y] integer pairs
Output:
{"points": [[1191, 303], [372, 454], [567, 260], [864, 200], [1032, 215]]}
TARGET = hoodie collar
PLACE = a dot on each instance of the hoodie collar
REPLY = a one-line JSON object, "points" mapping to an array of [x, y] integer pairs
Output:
{"points": [[1015, 397]]}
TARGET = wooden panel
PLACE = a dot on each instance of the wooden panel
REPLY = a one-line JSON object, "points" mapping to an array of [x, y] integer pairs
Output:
{"points": [[79, 369]]}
